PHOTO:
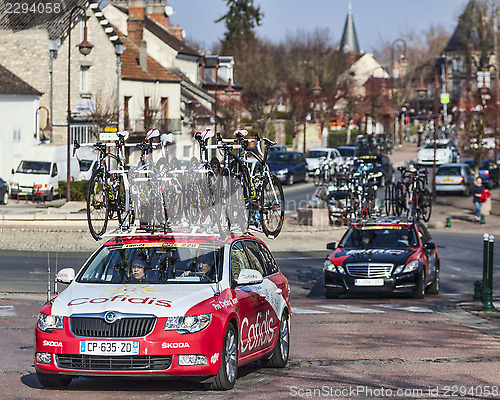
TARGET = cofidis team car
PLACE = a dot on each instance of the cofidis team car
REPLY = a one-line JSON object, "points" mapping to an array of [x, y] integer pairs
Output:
{"points": [[383, 255], [170, 319], [445, 153]]}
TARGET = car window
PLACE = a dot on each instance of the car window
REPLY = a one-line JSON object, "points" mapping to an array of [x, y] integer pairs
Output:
{"points": [[379, 237], [449, 171], [270, 265], [255, 257], [239, 259], [425, 236], [279, 158]]}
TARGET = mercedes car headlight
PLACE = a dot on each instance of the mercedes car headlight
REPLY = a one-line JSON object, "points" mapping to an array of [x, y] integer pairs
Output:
{"points": [[283, 171], [329, 266], [188, 324], [47, 323], [410, 267]]}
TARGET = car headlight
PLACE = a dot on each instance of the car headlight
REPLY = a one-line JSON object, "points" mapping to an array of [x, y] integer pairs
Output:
{"points": [[410, 267], [47, 323], [188, 324], [283, 171], [329, 266]]}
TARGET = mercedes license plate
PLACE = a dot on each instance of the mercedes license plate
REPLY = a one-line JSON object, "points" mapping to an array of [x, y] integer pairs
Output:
{"points": [[109, 348], [369, 282]]}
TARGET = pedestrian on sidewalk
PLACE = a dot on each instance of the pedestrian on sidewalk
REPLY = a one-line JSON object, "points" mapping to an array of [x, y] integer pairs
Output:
{"points": [[477, 191]]}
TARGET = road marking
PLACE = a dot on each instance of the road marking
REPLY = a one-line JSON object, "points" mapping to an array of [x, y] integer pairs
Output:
{"points": [[496, 304], [410, 309], [353, 309], [306, 311], [7, 311]]}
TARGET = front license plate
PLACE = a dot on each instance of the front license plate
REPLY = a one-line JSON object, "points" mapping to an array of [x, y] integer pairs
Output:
{"points": [[109, 348], [369, 282]]}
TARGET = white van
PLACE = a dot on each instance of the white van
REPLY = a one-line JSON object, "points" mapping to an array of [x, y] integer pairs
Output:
{"points": [[87, 159], [40, 170], [315, 157]]}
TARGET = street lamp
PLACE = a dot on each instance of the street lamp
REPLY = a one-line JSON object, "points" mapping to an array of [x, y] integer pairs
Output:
{"points": [[48, 126], [85, 48], [316, 90], [422, 90], [403, 57], [213, 62], [119, 50]]}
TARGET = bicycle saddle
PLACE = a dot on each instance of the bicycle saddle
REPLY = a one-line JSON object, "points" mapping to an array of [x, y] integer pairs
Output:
{"points": [[166, 139], [152, 134], [123, 134], [207, 134], [241, 132]]}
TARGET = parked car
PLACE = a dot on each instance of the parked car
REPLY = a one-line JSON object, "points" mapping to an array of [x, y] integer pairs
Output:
{"points": [[348, 152], [146, 306], [445, 153], [383, 255], [278, 147], [488, 171], [288, 166], [454, 178], [316, 157], [377, 163], [4, 191]]}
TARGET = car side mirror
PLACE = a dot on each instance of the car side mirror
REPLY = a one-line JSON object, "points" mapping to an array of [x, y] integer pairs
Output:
{"points": [[430, 246], [331, 245], [66, 275], [249, 277]]}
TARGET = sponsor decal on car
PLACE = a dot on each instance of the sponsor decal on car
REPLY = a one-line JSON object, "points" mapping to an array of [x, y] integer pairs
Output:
{"points": [[134, 300], [175, 345], [52, 343], [160, 244], [224, 304], [256, 334], [375, 251]]}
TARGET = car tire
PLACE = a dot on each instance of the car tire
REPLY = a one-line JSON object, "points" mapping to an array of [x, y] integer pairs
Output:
{"points": [[290, 180], [434, 286], [420, 291], [5, 199], [53, 380], [228, 371], [279, 358]]}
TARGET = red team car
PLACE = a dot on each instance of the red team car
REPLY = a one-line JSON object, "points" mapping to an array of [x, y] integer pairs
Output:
{"points": [[185, 306]]}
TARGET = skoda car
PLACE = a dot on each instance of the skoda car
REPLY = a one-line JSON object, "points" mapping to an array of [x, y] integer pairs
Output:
{"points": [[384, 255], [141, 307]]}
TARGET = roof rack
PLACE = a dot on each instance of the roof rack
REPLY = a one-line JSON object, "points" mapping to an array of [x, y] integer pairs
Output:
{"points": [[390, 219]]}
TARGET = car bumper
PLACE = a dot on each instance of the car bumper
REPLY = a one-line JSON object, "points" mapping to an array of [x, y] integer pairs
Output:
{"points": [[336, 283], [443, 187], [158, 354]]}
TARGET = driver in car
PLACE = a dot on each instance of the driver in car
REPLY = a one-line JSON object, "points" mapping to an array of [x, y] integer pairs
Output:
{"points": [[205, 265]]}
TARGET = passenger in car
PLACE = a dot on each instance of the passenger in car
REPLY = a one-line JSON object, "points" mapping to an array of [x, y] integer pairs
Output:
{"points": [[138, 271]]}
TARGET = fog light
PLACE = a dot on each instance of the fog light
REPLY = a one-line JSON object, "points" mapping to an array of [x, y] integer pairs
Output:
{"points": [[192, 359], [44, 358]]}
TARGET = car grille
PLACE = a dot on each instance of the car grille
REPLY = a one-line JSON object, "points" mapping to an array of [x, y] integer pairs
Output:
{"points": [[370, 270], [124, 327], [113, 363]]}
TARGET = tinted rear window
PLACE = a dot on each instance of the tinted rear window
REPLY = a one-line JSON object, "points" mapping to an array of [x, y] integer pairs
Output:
{"points": [[449, 171]]}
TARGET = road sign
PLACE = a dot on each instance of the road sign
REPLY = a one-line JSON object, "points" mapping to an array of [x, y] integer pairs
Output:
{"points": [[445, 98]]}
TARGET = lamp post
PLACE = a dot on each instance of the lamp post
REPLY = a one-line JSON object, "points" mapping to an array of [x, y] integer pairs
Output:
{"points": [[213, 62], [422, 90], [316, 90], [392, 81], [85, 48], [119, 50]]}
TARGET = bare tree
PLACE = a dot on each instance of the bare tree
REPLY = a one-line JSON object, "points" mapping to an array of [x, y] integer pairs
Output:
{"points": [[104, 110]]}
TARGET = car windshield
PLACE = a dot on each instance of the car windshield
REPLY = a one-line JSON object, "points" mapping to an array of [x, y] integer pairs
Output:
{"points": [[279, 158], [34, 167], [85, 165], [175, 263], [449, 171], [485, 164], [430, 145], [346, 152], [379, 237], [316, 154]]}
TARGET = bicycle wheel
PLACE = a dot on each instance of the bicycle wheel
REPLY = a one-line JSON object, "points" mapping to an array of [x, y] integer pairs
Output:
{"points": [[425, 204], [272, 208], [389, 198], [221, 203], [237, 210], [399, 199], [97, 205]]}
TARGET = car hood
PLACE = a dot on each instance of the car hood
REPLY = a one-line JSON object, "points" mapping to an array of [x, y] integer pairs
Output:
{"points": [[159, 300], [392, 256], [277, 167], [313, 163]]}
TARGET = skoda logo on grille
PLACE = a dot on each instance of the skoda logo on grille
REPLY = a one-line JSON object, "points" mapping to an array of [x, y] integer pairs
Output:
{"points": [[110, 317]]}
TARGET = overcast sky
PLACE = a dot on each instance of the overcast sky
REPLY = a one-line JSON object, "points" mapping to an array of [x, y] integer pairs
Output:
{"points": [[375, 20]]}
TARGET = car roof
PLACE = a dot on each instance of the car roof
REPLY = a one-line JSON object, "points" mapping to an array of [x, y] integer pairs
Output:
{"points": [[148, 239], [454, 165], [383, 221]]}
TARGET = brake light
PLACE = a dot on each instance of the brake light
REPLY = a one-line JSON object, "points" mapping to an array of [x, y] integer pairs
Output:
{"points": [[486, 173], [462, 180]]}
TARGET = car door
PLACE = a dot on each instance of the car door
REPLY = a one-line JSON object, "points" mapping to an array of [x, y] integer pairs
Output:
{"points": [[250, 303], [430, 254], [301, 166]]}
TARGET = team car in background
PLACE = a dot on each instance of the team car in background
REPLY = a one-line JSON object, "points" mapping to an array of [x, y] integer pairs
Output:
{"points": [[445, 153], [391, 255], [170, 321]]}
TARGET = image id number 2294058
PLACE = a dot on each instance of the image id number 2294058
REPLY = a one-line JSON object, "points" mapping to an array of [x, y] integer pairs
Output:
{"points": [[33, 7]]}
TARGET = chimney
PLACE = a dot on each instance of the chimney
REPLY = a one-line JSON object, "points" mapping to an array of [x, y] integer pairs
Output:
{"points": [[135, 21], [143, 56], [157, 11]]}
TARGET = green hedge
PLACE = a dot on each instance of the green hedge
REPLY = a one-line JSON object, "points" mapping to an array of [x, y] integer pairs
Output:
{"points": [[339, 138], [78, 190]]}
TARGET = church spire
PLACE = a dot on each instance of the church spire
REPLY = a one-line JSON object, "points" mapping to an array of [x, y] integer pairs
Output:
{"points": [[349, 42]]}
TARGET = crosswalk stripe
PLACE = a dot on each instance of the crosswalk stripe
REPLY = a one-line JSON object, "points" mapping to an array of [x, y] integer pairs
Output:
{"points": [[353, 309], [306, 311], [7, 311]]}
